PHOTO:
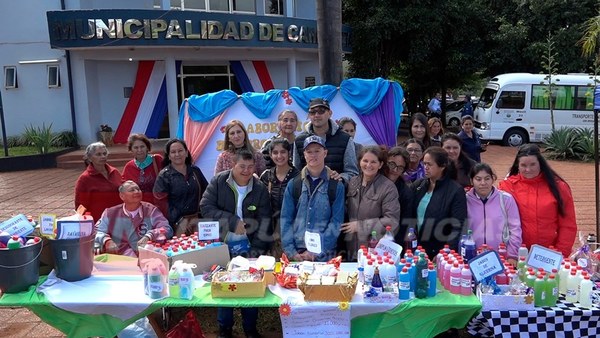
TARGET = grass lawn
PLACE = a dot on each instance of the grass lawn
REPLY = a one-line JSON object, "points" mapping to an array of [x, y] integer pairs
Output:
{"points": [[21, 151]]}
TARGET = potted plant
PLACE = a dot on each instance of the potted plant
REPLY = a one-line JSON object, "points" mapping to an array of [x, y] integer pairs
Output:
{"points": [[106, 135]]}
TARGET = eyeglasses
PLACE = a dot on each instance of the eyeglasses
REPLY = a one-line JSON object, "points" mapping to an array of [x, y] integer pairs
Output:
{"points": [[414, 150], [319, 111], [394, 166]]}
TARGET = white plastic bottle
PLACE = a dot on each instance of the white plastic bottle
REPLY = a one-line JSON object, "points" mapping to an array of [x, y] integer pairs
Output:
{"points": [[572, 286], [369, 272], [391, 276], [585, 297], [564, 272]]}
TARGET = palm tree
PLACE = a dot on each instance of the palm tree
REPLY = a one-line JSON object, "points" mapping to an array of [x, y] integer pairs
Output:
{"points": [[591, 36]]}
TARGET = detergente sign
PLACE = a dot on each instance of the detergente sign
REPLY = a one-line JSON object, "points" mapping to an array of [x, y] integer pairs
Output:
{"points": [[84, 28]]}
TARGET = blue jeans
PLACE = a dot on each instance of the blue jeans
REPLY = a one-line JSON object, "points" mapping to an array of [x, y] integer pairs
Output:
{"points": [[249, 318]]}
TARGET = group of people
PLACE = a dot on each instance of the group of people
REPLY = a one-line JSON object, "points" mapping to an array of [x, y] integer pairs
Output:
{"points": [[313, 196]]}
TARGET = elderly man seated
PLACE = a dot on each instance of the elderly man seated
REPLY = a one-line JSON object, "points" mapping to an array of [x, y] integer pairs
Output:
{"points": [[124, 227]]}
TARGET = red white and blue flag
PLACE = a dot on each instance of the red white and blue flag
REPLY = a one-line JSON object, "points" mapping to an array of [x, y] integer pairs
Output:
{"points": [[253, 76]]}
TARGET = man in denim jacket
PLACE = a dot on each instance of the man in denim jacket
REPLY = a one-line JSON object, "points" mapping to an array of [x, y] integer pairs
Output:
{"points": [[310, 229]]}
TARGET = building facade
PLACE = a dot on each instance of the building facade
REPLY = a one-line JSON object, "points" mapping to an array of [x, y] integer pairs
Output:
{"points": [[79, 64]]}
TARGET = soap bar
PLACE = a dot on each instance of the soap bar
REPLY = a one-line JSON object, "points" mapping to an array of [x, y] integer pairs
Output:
{"points": [[342, 277], [327, 280]]}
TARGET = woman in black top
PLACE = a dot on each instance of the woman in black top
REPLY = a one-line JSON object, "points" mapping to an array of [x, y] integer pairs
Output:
{"points": [[276, 180]]}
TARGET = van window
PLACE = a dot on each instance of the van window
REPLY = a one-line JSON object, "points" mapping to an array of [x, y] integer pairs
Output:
{"points": [[563, 97], [511, 99]]}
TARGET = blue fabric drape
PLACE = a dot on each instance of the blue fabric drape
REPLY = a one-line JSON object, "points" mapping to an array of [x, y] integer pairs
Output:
{"points": [[303, 96], [206, 107], [261, 104]]}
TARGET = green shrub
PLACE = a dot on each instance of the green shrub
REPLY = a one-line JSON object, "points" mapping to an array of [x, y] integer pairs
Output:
{"points": [[15, 141], [39, 137], [561, 143], [65, 139]]}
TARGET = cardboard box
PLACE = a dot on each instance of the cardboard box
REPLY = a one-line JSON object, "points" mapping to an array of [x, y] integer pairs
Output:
{"points": [[505, 302], [204, 258], [236, 289]]}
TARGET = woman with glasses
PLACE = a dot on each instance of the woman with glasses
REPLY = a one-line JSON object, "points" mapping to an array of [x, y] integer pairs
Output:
{"points": [[287, 123], [372, 201], [440, 204], [397, 161], [452, 144], [179, 187], [276, 180], [236, 138], [544, 199], [144, 167], [419, 129], [415, 169]]}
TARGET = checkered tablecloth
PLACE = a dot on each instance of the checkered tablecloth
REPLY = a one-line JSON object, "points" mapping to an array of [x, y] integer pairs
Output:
{"points": [[563, 320]]}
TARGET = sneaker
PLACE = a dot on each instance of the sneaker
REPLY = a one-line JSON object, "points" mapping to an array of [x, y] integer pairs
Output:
{"points": [[225, 332]]}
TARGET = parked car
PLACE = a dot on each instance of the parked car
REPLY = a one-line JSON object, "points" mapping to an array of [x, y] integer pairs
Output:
{"points": [[454, 112]]}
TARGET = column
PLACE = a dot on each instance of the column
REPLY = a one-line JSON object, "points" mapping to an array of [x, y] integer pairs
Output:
{"points": [[172, 104], [292, 72]]}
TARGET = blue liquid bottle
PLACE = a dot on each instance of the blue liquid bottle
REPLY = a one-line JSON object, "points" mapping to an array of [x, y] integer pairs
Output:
{"points": [[432, 280], [404, 284]]}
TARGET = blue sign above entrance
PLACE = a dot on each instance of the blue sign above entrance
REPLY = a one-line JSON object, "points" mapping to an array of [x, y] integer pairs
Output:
{"points": [[97, 28]]}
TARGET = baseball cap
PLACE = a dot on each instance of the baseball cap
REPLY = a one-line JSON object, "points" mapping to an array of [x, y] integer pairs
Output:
{"points": [[318, 102], [314, 139]]}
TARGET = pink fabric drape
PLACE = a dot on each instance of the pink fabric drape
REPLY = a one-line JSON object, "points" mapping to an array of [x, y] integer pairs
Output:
{"points": [[197, 134]]}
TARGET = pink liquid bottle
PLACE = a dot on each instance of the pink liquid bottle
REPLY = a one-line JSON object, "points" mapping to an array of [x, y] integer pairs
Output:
{"points": [[502, 250], [447, 271], [465, 281], [455, 279]]}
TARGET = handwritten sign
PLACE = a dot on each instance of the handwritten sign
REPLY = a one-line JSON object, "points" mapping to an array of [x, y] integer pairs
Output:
{"points": [[47, 223], [17, 225], [74, 229], [312, 241], [542, 257], [316, 321], [208, 230], [393, 249], [486, 265]]}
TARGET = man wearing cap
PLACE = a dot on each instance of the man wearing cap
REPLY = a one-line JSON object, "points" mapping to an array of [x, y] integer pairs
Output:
{"points": [[310, 219], [341, 154]]}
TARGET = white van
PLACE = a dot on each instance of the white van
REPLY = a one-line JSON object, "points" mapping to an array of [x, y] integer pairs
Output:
{"points": [[514, 107]]}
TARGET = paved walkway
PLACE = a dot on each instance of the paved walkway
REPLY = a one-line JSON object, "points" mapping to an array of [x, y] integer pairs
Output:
{"points": [[51, 191]]}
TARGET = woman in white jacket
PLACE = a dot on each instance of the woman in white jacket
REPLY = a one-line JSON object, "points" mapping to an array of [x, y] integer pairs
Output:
{"points": [[493, 214]]}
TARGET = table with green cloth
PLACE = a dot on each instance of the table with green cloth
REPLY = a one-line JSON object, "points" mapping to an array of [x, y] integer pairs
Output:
{"points": [[415, 318]]}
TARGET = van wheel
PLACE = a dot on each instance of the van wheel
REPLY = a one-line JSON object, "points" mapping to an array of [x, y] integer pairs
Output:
{"points": [[454, 122], [515, 138]]}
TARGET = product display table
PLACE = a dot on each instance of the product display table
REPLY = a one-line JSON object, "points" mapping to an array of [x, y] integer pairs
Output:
{"points": [[95, 313], [563, 320]]}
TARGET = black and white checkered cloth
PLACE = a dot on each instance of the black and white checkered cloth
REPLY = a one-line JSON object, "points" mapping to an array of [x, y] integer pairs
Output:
{"points": [[563, 320]]}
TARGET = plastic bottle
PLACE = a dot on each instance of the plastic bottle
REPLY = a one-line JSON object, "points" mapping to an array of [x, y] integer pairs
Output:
{"points": [[410, 240], [523, 252], [412, 271], [470, 248], [501, 278], [572, 285], [388, 234], [156, 283], [404, 284], [455, 279], [585, 297], [551, 290], [502, 250], [539, 291], [369, 272], [530, 281], [33, 241], [461, 245], [174, 281], [432, 281], [14, 243], [422, 272], [522, 268], [186, 283], [564, 272], [391, 276], [466, 278], [447, 270], [359, 256], [373, 241], [361, 274], [377, 283]]}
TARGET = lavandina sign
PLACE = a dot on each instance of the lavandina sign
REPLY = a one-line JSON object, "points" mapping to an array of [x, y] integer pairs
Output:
{"points": [[85, 28]]}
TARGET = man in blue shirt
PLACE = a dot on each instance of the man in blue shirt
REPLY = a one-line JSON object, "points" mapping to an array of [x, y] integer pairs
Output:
{"points": [[310, 222], [435, 106]]}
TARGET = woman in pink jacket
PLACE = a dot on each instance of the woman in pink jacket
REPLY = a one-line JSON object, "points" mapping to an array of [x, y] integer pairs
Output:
{"points": [[493, 214]]}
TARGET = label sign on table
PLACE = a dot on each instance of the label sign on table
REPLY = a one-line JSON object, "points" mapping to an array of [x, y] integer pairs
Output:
{"points": [[390, 247], [316, 321], [486, 265], [208, 231], [47, 222], [312, 240], [17, 225], [542, 257]]}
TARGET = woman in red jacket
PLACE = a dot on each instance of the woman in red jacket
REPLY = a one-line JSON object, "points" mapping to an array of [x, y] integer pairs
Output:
{"points": [[544, 199], [144, 167]]}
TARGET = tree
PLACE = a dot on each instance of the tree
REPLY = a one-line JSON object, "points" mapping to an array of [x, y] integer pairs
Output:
{"points": [[329, 34], [591, 36], [549, 64]]}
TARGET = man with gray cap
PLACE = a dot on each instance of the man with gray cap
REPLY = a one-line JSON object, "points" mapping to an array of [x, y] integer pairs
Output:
{"points": [[341, 154], [313, 208]]}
